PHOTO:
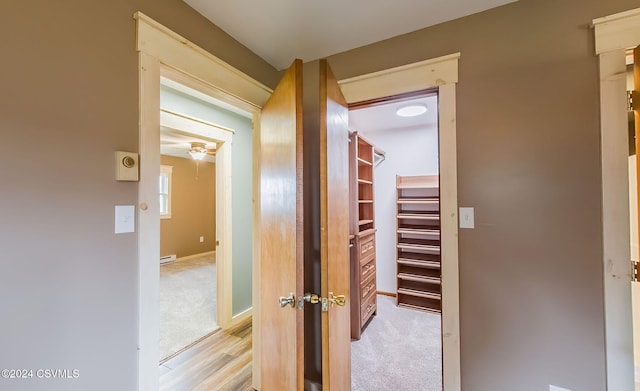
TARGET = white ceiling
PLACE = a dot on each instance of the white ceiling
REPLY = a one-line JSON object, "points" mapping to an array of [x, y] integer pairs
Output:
{"points": [[280, 31], [383, 117], [175, 144]]}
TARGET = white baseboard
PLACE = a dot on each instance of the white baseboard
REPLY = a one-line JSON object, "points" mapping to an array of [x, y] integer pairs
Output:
{"points": [[188, 257]]}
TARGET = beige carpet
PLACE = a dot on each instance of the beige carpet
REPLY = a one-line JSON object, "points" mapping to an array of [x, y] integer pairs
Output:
{"points": [[187, 302], [399, 350]]}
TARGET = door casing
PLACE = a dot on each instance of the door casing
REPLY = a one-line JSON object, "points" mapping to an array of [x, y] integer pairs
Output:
{"points": [[160, 47], [613, 35]]}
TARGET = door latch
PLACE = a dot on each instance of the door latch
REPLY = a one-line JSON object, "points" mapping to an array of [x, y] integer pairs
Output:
{"points": [[324, 301]]}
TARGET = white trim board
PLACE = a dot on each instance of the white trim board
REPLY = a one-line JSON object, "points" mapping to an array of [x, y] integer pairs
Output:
{"points": [[613, 35]]}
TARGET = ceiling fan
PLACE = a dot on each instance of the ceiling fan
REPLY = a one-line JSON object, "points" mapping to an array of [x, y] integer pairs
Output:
{"points": [[199, 150]]}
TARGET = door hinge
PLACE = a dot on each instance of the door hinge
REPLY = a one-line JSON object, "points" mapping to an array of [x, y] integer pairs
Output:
{"points": [[634, 271], [633, 100]]}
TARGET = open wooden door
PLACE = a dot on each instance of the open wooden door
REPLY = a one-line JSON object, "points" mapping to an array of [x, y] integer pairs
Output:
{"points": [[281, 252], [283, 205], [334, 233]]}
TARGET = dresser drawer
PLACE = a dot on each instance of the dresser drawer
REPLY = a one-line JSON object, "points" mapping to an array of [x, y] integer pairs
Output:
{"points": [[367, 246], [367, 289], [367, 308], [368, 269]]}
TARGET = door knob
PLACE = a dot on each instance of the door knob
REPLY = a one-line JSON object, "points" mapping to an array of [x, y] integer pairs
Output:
{"points": [[339, 300], [289, 300]]}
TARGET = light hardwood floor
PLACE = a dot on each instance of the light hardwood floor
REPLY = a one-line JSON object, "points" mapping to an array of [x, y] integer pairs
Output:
{"points": [[220, 362]]}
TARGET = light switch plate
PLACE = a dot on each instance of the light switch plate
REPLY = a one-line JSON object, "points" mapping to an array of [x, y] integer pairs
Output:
{"points": [[126, 166], [125, 219], [467, 218], [556, 388]]}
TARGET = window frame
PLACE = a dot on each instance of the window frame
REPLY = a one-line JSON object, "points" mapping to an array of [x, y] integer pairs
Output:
{"points": [[168, 172]]}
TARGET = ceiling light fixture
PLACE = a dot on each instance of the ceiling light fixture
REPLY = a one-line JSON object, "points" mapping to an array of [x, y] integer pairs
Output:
{"points": [[198, 151], [411, 110]]}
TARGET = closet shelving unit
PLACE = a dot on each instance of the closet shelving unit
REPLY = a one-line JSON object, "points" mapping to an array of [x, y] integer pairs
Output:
{"points": [[363, 254], [418, 242]]}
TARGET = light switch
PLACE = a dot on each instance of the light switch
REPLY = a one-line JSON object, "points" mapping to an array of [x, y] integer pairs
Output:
{"points": [[126, 166], [466, 218], [125, 219], [556, 388]]}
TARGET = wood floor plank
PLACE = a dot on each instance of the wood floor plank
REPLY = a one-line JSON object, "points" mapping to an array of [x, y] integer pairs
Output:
{"points": [[220, 362]]}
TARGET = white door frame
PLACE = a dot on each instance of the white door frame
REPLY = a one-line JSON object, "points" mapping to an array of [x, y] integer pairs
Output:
{"points": [[165, 53], [160, 48], [613, 35]]}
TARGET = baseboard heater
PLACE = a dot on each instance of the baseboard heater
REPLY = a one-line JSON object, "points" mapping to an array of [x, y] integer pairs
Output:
{"points": [[168, 258]]}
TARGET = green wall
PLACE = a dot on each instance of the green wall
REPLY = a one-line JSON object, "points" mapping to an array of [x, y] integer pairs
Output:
{"points": [[241, 183]]}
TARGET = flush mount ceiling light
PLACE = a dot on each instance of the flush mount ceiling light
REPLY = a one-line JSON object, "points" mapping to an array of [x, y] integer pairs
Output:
{"points": [[198, 151], [411, 110]]}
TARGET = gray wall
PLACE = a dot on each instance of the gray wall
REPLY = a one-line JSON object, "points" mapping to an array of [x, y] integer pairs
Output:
{"points": [[531, 273], [68, 100], [528, 158], [241, 185]]}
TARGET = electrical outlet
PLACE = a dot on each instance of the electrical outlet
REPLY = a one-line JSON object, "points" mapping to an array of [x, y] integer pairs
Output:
{"points": [[556, 388], [201, 239]]}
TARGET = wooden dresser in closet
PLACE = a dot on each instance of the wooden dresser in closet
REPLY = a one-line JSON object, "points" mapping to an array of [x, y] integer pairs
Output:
{"points": [[363, 241], [418, 242]]}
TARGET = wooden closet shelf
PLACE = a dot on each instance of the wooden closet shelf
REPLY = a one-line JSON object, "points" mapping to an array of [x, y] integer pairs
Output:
{"points": [[414, 292], [418, 215], [362, 200], [419, 278], [419, 247], [366, 232], [419, 231], [364, 162], [419, 201], [415, 307], [419, 263]]}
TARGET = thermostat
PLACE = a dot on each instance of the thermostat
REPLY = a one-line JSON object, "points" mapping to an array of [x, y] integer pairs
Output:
{"points": [[126, 166]]}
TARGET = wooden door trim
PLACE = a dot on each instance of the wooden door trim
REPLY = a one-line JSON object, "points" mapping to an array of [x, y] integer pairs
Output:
{"points": [[613, 35], [441, 73], [161, 52]]}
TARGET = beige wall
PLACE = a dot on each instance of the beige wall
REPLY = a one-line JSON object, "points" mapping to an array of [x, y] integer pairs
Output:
{"points": [[528, 161], [193, 208]]}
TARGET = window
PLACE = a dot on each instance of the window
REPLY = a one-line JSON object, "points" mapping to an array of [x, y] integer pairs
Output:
{"points": [[164, 191]]}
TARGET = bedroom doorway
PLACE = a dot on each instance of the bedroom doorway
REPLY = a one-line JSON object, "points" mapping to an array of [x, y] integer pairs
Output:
{"points": [[188, 283], [209, 145]]}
